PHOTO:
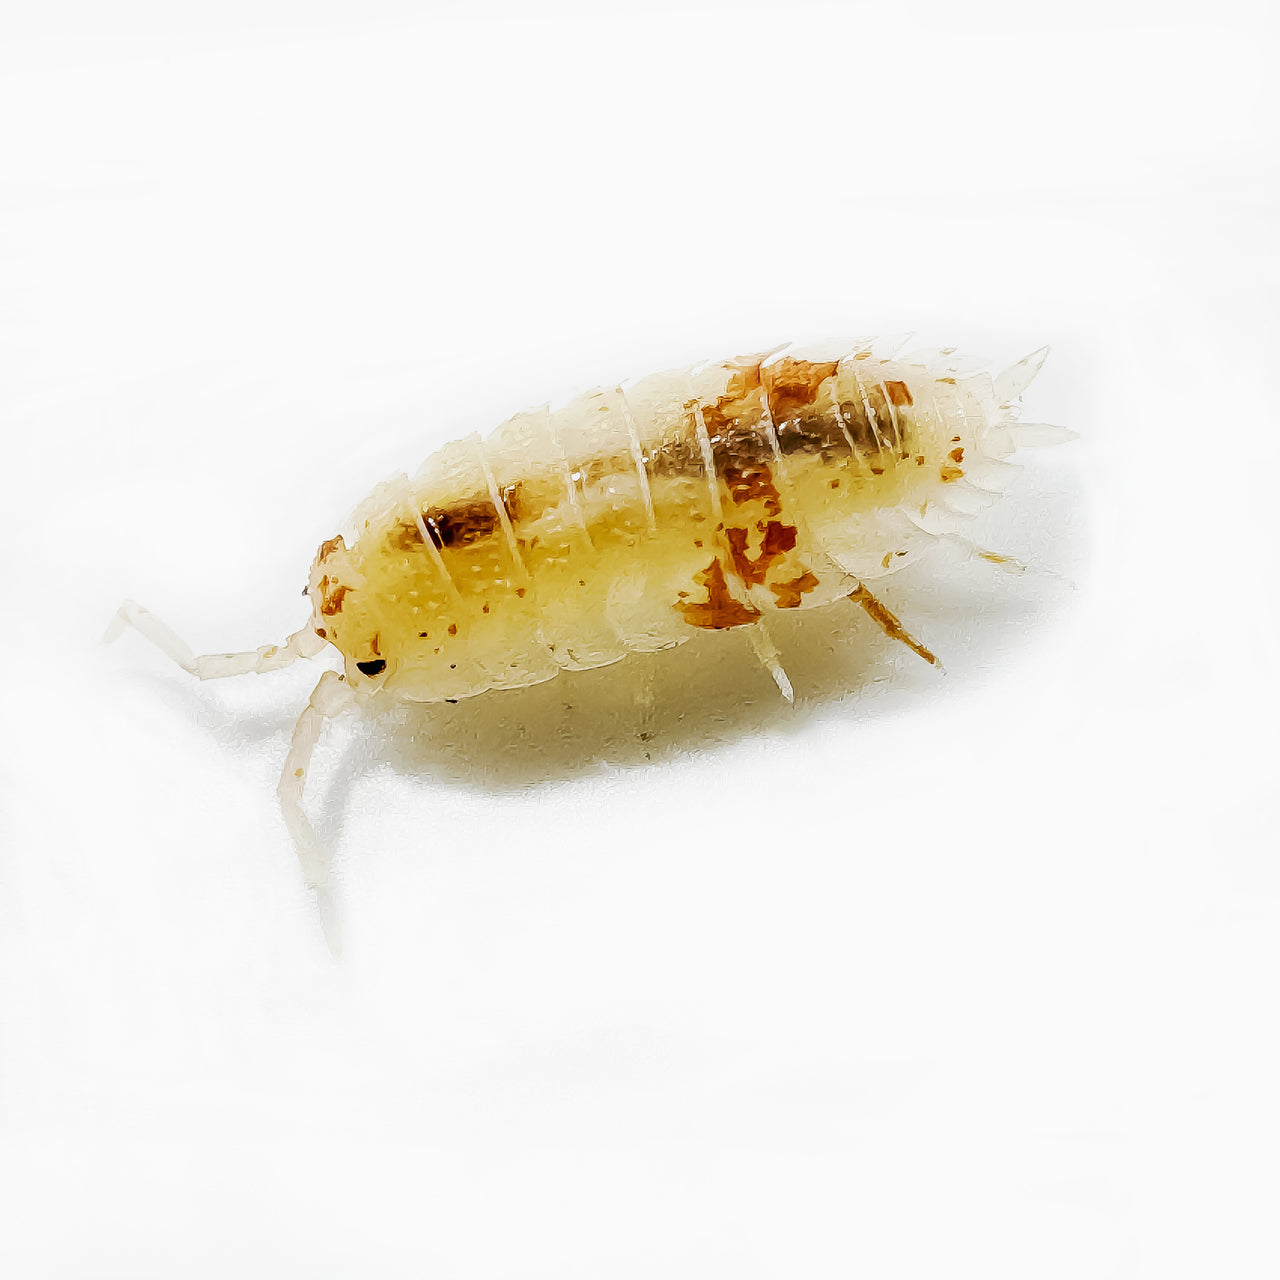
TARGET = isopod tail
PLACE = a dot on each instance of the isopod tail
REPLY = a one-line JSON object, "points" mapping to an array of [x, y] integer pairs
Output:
{"points": [[1006, 433], [1010, 384]]}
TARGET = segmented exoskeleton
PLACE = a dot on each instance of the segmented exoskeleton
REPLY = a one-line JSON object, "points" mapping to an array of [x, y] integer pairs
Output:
{"points": [[635, 516]]}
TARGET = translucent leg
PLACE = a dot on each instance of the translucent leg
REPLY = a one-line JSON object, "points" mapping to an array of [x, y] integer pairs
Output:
{"points": [[766, 651], [331, 696], [213, 666], [1006, 564], [889, 624]]}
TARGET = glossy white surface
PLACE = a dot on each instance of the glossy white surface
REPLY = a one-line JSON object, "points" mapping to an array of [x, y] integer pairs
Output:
{"points": [[960, 976]]}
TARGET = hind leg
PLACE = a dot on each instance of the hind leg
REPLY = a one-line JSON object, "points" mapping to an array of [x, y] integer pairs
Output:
{"points": [[889, 624], [767, 655], [213, 666], [331, 696]]}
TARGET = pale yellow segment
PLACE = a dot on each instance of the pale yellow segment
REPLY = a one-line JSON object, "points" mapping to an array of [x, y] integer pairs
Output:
{"points": [[632, 517]]}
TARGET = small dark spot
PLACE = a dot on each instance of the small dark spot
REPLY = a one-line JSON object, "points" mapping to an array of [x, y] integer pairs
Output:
{"points": [[375, 667], [322, 633], [453, 628], [919, 459], [484, 609], [521, 593], [956, 455], [697, 542], [453, 702], [453, 666], [835, 484], [422, 635]]}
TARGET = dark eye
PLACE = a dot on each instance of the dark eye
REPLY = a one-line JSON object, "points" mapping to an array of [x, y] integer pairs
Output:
{"points": [[374, 667]]}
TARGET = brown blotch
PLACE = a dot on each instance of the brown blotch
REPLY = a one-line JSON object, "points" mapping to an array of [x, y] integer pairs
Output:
{"points": [[721, 610], [461, 525], [328, 547], [521, 593], [404, 536], [752, 481], [778, 540], [322, 633], [511, 494], [956, 455], [453, 628], [950, 473], [899, 394], [738, 398], [792, 385], [790, 594], [332, 594]]}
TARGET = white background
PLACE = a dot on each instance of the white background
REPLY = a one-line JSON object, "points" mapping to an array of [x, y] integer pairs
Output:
{"points": [[971, 975]]}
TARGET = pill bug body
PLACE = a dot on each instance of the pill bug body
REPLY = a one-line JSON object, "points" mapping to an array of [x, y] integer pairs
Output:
{"points": [[634, 517]]}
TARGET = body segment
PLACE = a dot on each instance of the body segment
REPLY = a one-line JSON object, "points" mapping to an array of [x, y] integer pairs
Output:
{"points": [[634, 517], [630, 520]]}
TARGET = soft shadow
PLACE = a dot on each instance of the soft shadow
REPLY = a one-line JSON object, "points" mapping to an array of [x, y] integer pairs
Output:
{"points": [[655, 707]]}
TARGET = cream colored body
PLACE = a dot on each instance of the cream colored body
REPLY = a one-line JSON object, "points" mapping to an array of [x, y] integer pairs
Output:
{"points": [[567, 539], [630, 519]]}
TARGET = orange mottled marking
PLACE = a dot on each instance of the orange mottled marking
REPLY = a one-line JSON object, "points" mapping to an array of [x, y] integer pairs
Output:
{"points": [[777, 541], [751, 481], [329, 546], [899, 394], [790, 594], [792, 385], [332, 593], [950, 473], [720, 610]]}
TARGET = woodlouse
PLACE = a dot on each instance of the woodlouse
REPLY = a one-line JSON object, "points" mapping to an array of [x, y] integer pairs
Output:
{"points": [[632, 518]]}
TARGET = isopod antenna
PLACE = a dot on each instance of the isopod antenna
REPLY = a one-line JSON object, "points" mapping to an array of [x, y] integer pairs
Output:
{"points": [[330, 697]]}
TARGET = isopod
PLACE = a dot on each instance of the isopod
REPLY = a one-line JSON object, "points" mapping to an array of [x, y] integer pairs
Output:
{"points": [[634, 517]]}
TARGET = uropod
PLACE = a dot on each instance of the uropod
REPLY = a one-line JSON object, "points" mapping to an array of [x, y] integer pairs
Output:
{"points": [[635, 516]]}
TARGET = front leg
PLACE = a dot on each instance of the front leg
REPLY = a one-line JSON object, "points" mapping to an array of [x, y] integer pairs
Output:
{"points": [[331, 696]]}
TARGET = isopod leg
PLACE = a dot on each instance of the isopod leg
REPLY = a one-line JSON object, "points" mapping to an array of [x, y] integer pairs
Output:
{"points": [[213, 666], [766, 651], [1006, 564], [889, 624], [331, 696]]}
